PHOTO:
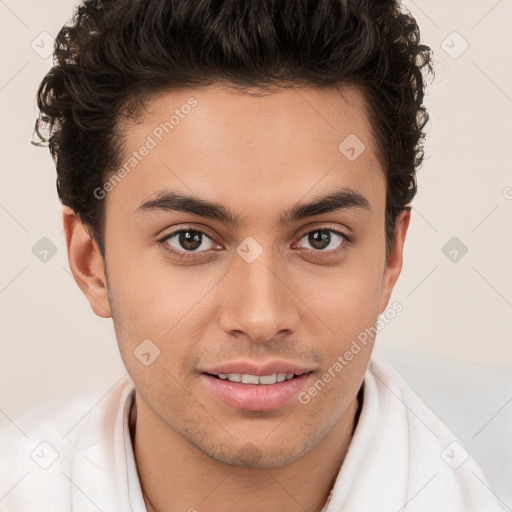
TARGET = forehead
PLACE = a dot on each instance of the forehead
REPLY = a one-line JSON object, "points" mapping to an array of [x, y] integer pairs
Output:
{"points": [[246, 148], [219, 115]]}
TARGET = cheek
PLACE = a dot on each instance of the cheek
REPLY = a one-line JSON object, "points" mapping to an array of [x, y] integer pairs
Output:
{"points": [[168, 305], [345, 298], [149, 292]]}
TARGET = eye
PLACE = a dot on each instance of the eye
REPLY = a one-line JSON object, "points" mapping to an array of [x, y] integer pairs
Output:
{"points": [[325, 240], [185, 242]]}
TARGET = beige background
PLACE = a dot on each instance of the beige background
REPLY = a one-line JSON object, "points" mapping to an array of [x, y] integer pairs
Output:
{"points": [[53, 343]]}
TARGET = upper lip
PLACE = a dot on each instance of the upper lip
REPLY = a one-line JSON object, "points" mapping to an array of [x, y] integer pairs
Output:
{"points": [[252, 368]]}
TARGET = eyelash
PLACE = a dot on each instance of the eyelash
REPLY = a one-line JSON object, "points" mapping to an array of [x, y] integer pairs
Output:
{"points": [[193, 255]]}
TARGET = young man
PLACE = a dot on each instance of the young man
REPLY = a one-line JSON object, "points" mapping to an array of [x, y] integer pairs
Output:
{"points": [[236, 178]]}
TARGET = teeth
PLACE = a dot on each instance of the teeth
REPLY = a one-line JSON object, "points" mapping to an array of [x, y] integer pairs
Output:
{"points": [[246, 378], [250, 379], [268, 379]]}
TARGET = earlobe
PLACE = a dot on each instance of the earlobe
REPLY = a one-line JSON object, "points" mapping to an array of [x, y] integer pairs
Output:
{"points": [[86, 263], [394, 263]]}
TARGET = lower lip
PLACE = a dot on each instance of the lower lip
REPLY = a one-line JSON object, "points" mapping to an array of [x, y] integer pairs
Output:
{"points": [[256, 397]]}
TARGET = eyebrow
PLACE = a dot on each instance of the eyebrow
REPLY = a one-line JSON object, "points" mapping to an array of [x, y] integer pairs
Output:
{"points": [[171, 200]]}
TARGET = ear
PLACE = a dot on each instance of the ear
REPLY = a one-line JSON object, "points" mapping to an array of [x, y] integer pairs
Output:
{"points": [[86, 263], [395, 259]]}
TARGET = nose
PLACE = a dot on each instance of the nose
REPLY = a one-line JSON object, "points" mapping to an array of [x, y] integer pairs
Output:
{"points": [[258, 301]]}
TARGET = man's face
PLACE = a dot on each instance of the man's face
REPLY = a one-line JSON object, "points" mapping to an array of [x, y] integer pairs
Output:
{"points": [[269, 287]]}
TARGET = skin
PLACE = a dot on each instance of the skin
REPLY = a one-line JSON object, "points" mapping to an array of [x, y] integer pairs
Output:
{"points": [[257, 156]]}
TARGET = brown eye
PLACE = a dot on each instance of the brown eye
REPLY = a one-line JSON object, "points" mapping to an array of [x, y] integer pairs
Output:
{"points": [[186, 241], [190, 240], [324, 240]]}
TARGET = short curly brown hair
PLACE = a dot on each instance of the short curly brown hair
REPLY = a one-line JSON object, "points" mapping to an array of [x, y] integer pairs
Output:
{"points": [[114, 54]]}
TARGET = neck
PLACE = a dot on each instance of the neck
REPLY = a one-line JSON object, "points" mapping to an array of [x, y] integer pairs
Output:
{"points": [[176, 476]]}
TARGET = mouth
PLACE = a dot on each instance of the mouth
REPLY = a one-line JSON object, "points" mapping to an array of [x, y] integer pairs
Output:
{"points": [[257, 392], [266, 380]]}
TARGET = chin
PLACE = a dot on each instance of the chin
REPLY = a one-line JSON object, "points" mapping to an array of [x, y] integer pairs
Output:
{"points": [[251, 455]]}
